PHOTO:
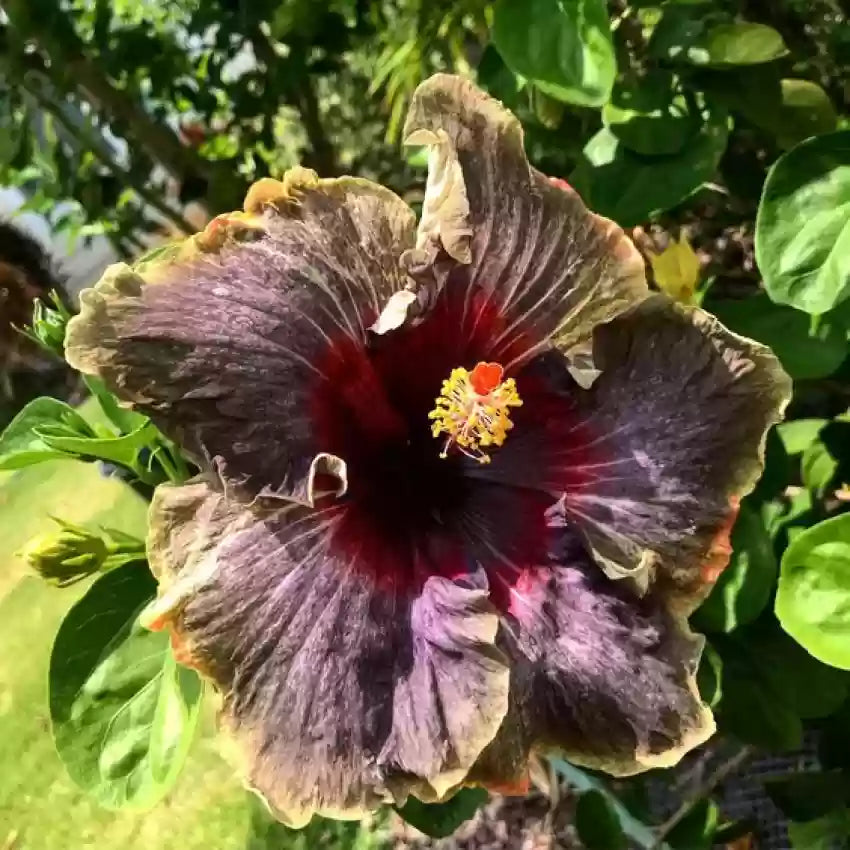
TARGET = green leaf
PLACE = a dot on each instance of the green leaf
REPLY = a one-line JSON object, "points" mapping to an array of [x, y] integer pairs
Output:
{"points": [[749, 711], [805, 110], [630, 188], [813, 598], [770, 684], [439, 820], [725, 45], [650, 115], [808, 796], [20, 444], [802, 235], [563, 46], [806, 347], [123, 712], [499, 80], [824, 834], [121, 450], [710, 676], [124, 419], [597, 823], [819, 467], [585, 780], [744, 587], [798, 434], [811, 689], [696, 830], [678, 28]]}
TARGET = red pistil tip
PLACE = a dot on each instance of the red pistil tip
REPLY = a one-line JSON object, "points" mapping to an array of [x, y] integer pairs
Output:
{"points": [[485, 377]]}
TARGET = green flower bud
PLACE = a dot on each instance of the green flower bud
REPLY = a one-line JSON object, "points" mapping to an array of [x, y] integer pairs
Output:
{"points": [[67, 555], [48, 324]]}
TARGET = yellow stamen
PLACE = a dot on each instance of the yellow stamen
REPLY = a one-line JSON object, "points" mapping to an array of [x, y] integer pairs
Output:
{"points": [[473, 410]]}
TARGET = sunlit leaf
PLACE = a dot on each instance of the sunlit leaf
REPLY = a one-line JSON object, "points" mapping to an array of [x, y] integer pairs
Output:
{"points": [[563, 46], [813, 598], [630, 189], [650, 115], [123, 712], [741, 43], [21, 445], [803, 225], [121, 450]]}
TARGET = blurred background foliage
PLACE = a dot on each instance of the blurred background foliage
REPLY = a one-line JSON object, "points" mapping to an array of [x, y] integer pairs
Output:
{"points": [[716, 131]]}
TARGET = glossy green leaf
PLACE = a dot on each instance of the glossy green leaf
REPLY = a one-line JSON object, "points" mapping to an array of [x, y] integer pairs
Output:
{"points": [[563, 46], [597, 823], [650, 115], [630, 188], [805, 110], [121, 450], [806, 347], [744, 588], [798, 434], [803, 225], [439, 820], [819, 468], [123, 712], [20, 444], [744, 43], [813, 598], [825, 833], [808, 796], [791, 110]]}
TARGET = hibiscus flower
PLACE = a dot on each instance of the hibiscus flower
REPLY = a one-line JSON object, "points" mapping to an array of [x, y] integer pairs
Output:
{"points": [[460, 484]]}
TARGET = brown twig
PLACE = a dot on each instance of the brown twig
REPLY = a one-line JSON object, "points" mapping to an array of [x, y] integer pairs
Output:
{"points": [[703, 790]]}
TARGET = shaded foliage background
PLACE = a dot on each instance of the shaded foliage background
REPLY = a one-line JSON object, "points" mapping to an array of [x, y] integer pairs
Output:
{"points": [[715, 130]]}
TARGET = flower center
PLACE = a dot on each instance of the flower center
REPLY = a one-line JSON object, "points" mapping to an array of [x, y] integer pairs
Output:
{"points": [[473, 410]]}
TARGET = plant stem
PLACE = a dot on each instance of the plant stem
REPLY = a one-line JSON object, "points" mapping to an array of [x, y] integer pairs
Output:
{"points": [[705, 788]]}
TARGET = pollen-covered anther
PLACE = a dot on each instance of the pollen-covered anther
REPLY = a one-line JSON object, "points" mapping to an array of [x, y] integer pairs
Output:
{"points": [[474, 410]]}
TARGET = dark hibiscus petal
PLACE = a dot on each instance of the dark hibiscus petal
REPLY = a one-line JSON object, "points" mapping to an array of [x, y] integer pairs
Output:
{"points": [[340, 695], [650, 463], [491, 223], [220, 343], [600, 676]]}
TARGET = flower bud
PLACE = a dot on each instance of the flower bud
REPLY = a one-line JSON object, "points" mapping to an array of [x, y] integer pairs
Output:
{"points": [[66, 556], [48, 324]]}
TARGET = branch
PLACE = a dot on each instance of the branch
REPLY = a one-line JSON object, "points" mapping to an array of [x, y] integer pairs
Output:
{"points": [[68, 57], [99, 149], [703, 790]]}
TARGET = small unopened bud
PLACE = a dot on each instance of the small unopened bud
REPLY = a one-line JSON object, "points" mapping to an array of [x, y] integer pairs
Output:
{"points": [[66, 556], [48, 324]]}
